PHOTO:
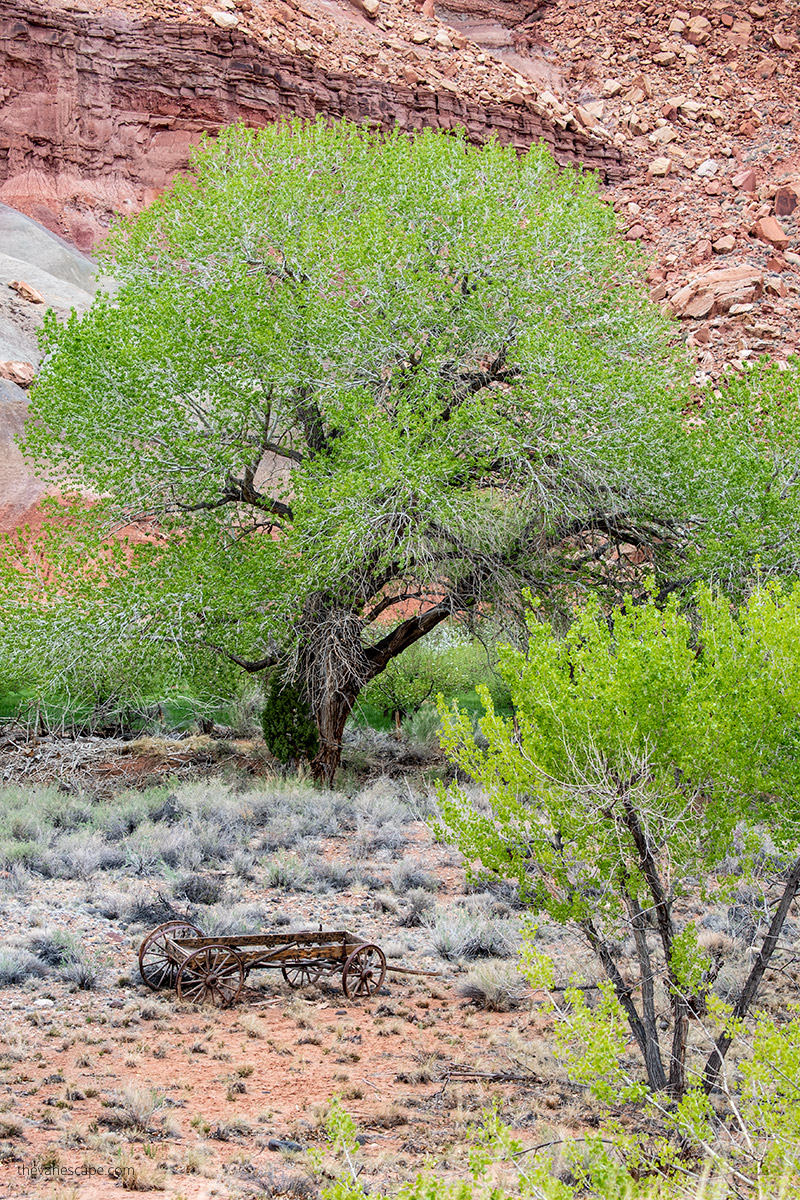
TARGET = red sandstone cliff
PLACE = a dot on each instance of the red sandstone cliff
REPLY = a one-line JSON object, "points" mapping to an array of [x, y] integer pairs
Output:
{"points": [[101, 107]]}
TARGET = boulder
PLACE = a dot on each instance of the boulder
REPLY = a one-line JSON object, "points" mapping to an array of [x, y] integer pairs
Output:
{"points": [[786, 199], [745, 180], [697, 31], [767, 229], [225, 20], [716, 290], [26, 292], [20, 373]]}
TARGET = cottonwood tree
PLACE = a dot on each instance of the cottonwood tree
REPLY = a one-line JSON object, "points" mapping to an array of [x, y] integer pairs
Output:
{"points": [[349, 386], [648, 757]]}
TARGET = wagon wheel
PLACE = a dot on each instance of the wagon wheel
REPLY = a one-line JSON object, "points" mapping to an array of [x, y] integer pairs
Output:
{"points": [[301, 974], [211, 975], [364, 971], [155, 965]]}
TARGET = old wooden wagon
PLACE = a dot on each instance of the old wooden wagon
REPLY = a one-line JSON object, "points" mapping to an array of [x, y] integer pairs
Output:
{"points": [[213, 970]]}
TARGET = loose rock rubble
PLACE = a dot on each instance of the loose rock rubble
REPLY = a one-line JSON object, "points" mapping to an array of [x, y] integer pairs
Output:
{"points": [[704, 101]]}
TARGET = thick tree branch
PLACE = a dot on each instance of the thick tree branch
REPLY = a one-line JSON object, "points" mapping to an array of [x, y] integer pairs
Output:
{"points": [[250, 665]]}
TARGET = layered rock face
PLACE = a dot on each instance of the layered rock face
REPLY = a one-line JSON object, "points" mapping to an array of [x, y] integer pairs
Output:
{"points": [[100, 108]]}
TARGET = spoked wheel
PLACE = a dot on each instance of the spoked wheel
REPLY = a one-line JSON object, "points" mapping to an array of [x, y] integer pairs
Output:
{"points": [[364, 972], [301, 974], [211, 975], [156, 967]]}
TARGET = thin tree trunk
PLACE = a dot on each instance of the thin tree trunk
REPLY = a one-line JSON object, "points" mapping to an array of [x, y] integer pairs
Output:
{"points": [[662, 907], [655, 1069], [656, 1075], [751, 985]]}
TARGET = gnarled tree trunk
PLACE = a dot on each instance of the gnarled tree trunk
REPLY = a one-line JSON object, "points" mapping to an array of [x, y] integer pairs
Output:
{"points": [[331, 718]]}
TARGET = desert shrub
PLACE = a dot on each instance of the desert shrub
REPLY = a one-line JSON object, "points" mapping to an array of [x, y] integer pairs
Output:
{"points": [[410, 874], [328, 876], [459, 934], [133, 1108], [81, 854], [419, 907], [148, 908], [84, 971], [379, 803], [110, 904], [29, 855], [236, 918], [369, 838], [290, 731], [370, 751], [421, 729], [55, 947], [286, 871], [243, 864], [199, 889], [18, 964], [495, 986]]}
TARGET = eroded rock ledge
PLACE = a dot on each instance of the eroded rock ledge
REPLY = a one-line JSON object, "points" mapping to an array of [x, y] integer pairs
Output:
{"points": [[100, 109]]}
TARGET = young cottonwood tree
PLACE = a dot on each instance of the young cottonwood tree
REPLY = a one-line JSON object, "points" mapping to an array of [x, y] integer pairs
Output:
{"points": [[348, 386], [645, 759]]}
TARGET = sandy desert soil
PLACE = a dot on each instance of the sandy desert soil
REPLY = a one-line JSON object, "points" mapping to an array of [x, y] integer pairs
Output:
{"points": [[81, 1070], [106, 1086]]}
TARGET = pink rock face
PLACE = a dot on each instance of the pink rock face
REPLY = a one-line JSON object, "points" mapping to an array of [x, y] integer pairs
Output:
{"points": [[103, 108]]}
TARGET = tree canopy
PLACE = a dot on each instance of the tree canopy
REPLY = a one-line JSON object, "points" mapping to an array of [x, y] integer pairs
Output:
{"points": [[349, 385]]}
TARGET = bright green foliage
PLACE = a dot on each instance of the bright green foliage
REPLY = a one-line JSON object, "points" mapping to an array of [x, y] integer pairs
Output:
{"points": [[770, 1099], [445, 662], [719, 704], [737, 1162], [591, 1041], [289, 728], [343, 372], [641, 744], [745, 455]]}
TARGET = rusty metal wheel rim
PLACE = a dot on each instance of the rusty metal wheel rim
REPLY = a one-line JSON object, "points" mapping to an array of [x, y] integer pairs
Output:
{"points": [[300, 974], [155, 966], [211, 975], [364, 972]]}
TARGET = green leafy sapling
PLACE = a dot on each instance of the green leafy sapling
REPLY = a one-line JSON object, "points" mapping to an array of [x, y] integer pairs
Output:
{"points": [[644, 747]]}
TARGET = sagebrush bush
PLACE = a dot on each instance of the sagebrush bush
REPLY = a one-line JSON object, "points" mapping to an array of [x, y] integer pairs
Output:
{"points": [[85, 972], [325, 875], [459, 934], [286, 871], [494, 986], [200, 889], [133, 1108], [227, 919], [55, 947], [18, 964], [420, 905], [410, 873]]}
